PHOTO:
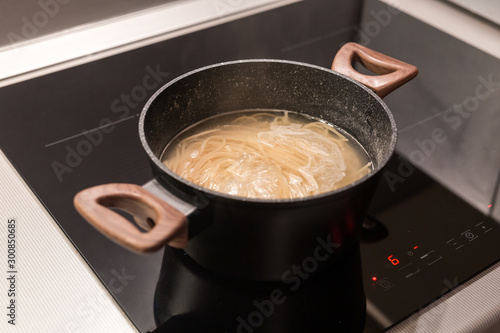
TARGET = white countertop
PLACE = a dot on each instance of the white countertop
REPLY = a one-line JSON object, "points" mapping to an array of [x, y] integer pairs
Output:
{"points": [[54, 290], [113, 36]]}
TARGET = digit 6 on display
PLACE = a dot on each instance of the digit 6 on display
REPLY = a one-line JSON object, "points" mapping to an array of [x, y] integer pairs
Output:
{"points": [[393, 261]]}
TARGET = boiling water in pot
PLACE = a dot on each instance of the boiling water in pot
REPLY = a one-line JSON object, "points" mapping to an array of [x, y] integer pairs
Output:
{"points": [[267, 154]]}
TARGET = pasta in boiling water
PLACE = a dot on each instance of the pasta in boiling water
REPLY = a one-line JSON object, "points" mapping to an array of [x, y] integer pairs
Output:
{"points": [[267, 155]]}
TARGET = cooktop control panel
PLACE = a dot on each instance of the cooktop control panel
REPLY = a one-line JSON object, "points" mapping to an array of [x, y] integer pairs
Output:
{"points": [[406, 263], [423, 245]]}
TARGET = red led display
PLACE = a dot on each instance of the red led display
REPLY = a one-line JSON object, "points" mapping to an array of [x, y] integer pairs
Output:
{"points": [[394, 261]]}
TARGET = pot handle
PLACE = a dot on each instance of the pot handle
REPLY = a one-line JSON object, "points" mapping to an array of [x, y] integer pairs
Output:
{"points": [[393, 73], [166, 224]]}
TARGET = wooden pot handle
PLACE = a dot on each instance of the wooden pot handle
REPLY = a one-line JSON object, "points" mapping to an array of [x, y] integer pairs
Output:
{"points": [[166, 224], [392, 72]]}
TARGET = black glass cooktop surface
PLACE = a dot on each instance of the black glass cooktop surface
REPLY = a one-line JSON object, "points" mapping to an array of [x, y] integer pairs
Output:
{"points": [[419, 242], [77, 128]]}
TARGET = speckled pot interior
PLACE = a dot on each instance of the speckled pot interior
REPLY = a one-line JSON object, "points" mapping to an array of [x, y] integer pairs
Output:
{"points": [[268, 84]]}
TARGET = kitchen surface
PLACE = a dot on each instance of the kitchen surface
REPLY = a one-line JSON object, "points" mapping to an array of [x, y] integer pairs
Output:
{"points": [[71, 95]]}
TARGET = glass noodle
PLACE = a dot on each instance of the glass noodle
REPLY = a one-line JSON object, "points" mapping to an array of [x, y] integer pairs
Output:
{"points": [[266, 155]]}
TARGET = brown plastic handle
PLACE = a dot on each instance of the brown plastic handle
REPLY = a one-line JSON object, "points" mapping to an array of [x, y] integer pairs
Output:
{"points": [[166, 224], [392, 72]]}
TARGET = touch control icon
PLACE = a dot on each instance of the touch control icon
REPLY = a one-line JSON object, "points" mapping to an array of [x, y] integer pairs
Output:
{"points": [[456, 244], [408, 270], [431, 257], [469, 235], [385, 284], [482, 227]]}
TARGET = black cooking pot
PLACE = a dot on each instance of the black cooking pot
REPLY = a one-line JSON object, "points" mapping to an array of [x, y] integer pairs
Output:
{"points": [[254, 239]]}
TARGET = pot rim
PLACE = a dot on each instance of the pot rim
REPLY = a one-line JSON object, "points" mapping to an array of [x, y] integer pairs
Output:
{"points": [[211, 193]]}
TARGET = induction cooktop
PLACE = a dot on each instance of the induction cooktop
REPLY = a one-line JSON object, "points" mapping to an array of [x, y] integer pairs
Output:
{"points": [[419, 242], [77, 128]]}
